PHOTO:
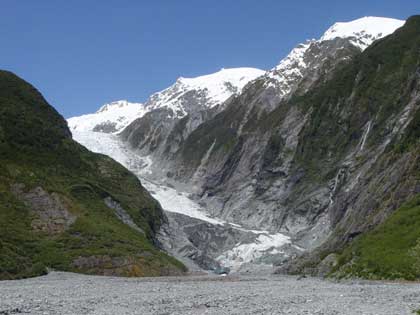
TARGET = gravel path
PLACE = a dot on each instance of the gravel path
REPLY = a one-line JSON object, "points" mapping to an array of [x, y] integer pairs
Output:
{"points": [[66, 293]]}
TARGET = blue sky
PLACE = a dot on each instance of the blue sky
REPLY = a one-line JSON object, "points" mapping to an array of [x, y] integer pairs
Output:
{"points": [[81, 54]]}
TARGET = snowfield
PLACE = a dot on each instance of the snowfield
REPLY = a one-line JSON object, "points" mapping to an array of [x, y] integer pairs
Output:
{"points": [[211, 90], [364, 30], [221, 84], [119, 114]]}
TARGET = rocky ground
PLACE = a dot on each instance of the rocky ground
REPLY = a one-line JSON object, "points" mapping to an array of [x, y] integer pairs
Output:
{"points": [[66, 293]]}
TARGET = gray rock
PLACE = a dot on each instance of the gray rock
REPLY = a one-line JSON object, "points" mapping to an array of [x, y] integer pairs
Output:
{"points": [[327, 265], [65, 293]]}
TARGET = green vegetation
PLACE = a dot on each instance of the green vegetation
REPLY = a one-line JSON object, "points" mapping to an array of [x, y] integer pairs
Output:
{"points": [[36, 150], [411, 137], [373, 87], [390, 251]]}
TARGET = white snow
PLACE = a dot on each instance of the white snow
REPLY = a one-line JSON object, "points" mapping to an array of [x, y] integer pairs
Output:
{"points": [[170, 199], [120, 113], [215, 88], [294, 60], [173, 201], [365, 30], [219, 85], [250, 253], [288, 70], [362, 33]]}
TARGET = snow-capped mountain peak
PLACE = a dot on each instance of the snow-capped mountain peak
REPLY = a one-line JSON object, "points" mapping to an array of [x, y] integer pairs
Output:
{"points": [[110, 118], [184, 96], [117, 105], [216, 83], [187, 95], [364, 30], [360, 33], [209, 90]]}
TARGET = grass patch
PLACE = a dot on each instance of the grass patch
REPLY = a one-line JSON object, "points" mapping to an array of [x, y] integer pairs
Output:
{"points": [[390, 251]]}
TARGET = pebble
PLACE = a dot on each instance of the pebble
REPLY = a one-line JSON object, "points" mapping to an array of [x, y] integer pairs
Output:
{"points": [[67, 293]]}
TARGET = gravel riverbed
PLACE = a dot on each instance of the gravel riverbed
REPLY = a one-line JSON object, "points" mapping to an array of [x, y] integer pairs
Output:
{"points": [[67, 293]]}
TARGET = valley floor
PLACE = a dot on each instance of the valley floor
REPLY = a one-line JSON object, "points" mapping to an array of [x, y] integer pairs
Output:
{"points": [[66, 293]]}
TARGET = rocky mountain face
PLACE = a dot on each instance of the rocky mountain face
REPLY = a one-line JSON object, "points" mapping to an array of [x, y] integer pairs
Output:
{"points": [[242, 163], [316, 151], [374, 134], [323, 165], [64, 207]]}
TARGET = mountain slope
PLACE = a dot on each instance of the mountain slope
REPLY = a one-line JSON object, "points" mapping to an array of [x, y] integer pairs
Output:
{"points": [[248, 161], [368, 115], [66, 208], [243, 158], [321, 162], [297, 73]]}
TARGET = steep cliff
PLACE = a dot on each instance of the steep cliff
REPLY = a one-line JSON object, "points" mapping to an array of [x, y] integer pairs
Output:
{"points": [[324, 162], [364, 129]]}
